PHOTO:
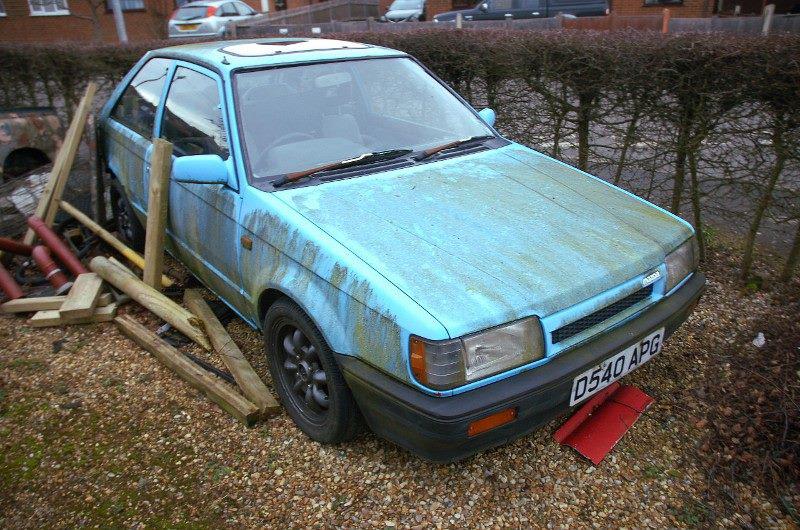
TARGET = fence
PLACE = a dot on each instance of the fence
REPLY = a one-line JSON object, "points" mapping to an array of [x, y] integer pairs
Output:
{"points": [[345, 24]]}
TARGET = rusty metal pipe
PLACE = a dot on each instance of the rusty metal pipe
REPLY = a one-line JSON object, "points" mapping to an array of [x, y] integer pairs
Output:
{"points": [[15, 247], [7, 284], [58, 247], [51, 271]]}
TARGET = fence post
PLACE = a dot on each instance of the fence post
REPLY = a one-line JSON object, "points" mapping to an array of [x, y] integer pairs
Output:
{"points": [[459, 20], [769, 11], [665, 15]]}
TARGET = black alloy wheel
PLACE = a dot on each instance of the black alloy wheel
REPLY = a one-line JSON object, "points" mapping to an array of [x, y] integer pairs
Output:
{"points": [[306, 377]]}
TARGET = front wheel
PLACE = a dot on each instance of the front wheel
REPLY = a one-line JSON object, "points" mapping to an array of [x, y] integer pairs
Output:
{"points": [[307, 378]]}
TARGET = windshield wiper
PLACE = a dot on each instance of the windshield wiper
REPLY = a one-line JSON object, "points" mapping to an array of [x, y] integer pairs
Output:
{"points": [[366, 158], [427, 153]]}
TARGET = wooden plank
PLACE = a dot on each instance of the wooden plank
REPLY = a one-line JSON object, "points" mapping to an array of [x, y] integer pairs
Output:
{"points": [[157, 202], [251, 385], [82, 297], [48, 202], [180, 318], [213, 387], [45, 303], [130, 254], [44, 319]]}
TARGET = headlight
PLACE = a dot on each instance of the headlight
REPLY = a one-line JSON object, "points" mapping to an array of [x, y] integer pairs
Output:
{"points": [[681, 262], [450, 363]]}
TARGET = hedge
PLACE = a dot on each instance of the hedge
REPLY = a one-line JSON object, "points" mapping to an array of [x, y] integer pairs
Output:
{"points": [[706, 125]]}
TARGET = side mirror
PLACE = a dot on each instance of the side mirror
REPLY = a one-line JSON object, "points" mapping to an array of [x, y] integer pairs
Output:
{"points": [[484, 7], [488, 115], [200, 169]]}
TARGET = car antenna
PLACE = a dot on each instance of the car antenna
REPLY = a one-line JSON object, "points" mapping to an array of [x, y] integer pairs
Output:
{"points": [[225, 60]]}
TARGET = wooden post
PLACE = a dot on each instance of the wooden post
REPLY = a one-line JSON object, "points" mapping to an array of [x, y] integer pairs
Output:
{"points": [[48, 202], [44, 319], [665, 16], [169, 311], [130, 254], [216, 390], [252, 386], [459, 20], [769, 13], [157, 203], [45, 303], [82, 297]]}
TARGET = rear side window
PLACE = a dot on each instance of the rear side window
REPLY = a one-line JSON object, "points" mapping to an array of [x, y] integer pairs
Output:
{"points": [[193, 116], [136, 109], [227, 10], [244, 9]]}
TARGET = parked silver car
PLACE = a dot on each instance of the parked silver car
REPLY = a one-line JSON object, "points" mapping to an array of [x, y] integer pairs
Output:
{"points": [[207, 19]]}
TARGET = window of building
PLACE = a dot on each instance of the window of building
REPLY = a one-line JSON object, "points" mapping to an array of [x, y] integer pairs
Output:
{"points": [[48, 7], [193, 116], [136, 109], [2, 9], [127, 5]]}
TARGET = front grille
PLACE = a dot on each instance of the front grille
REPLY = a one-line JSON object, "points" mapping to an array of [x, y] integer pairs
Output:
{"points": [[601, 315]]}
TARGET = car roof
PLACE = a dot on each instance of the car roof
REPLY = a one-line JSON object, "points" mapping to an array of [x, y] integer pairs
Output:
{"points": [[253, 53]]}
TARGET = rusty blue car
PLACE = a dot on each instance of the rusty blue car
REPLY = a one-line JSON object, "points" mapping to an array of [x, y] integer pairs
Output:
{"points": [[410, 268]]}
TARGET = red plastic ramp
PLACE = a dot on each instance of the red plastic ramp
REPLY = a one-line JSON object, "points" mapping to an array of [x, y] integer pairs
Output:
{"points": [[602, 422]]}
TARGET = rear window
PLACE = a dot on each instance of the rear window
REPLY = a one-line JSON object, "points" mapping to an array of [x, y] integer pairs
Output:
{"points": [[191, 13]]}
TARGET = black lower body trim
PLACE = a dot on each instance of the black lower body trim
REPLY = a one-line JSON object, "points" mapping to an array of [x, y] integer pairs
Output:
{"points": [[435, 428]]}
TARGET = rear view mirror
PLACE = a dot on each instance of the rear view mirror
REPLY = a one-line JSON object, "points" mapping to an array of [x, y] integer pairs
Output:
{"points": [[489, 116], [200, 169], [484, 7]]}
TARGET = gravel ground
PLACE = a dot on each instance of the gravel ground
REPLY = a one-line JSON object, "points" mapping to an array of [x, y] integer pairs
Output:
{"points": [[94, 432]]}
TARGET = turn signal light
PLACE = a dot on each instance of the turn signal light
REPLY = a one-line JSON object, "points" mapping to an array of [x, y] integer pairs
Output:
{"points": [[490, 422]]}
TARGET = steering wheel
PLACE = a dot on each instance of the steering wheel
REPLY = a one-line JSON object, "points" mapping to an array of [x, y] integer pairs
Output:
{"points": [[285, 139]]}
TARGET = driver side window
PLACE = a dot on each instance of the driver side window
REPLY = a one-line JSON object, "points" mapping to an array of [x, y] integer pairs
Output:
{"points": [[193, 116]]}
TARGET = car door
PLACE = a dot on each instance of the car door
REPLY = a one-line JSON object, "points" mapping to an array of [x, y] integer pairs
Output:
{"points": [[528, 9], [203, 217], [129, 129]]}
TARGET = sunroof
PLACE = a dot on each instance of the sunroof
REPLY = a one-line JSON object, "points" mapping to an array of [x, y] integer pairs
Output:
{"points": [[276, 47]]}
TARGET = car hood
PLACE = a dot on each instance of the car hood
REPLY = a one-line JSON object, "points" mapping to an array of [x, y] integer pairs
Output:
{"points": [[402, 14], [487, 238]]}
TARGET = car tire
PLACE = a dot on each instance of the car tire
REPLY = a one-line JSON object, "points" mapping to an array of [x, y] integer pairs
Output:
{"points": [[128, 226], [306, 377]]}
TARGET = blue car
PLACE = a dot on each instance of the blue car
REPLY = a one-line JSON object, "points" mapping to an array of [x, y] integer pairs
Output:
{"points": [[408, 266]]}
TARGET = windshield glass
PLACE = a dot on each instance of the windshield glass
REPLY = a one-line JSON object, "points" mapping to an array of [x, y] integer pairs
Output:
{"points": [[190, 13], [401, 5], [301, 117]]}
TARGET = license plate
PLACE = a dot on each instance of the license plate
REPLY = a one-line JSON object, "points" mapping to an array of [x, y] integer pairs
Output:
{"points": [[189, 27], [597, 378]]}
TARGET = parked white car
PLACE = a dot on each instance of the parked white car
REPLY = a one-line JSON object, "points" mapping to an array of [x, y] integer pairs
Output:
{"points": [[207, 19]]}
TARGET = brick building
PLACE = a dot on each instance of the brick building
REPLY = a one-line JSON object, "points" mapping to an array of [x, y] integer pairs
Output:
{"points": [[29, 21]]}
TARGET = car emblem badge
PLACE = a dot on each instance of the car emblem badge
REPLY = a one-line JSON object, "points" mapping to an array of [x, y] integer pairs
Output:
{"points": [[651, 278]]}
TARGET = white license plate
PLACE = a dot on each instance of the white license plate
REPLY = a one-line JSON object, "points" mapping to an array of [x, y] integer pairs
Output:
{"points": [[597, 378]]}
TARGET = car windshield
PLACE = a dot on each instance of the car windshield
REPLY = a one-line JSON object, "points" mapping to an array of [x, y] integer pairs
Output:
{"points": [[401, 5], [301, 117], [190, 13]]}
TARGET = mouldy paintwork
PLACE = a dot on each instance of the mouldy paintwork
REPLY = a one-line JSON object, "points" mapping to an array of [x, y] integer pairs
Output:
{"points": [[486, 249], [343, 305]]}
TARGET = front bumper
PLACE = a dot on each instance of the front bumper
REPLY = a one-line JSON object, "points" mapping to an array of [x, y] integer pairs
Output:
{"points": [[435, 428]]}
